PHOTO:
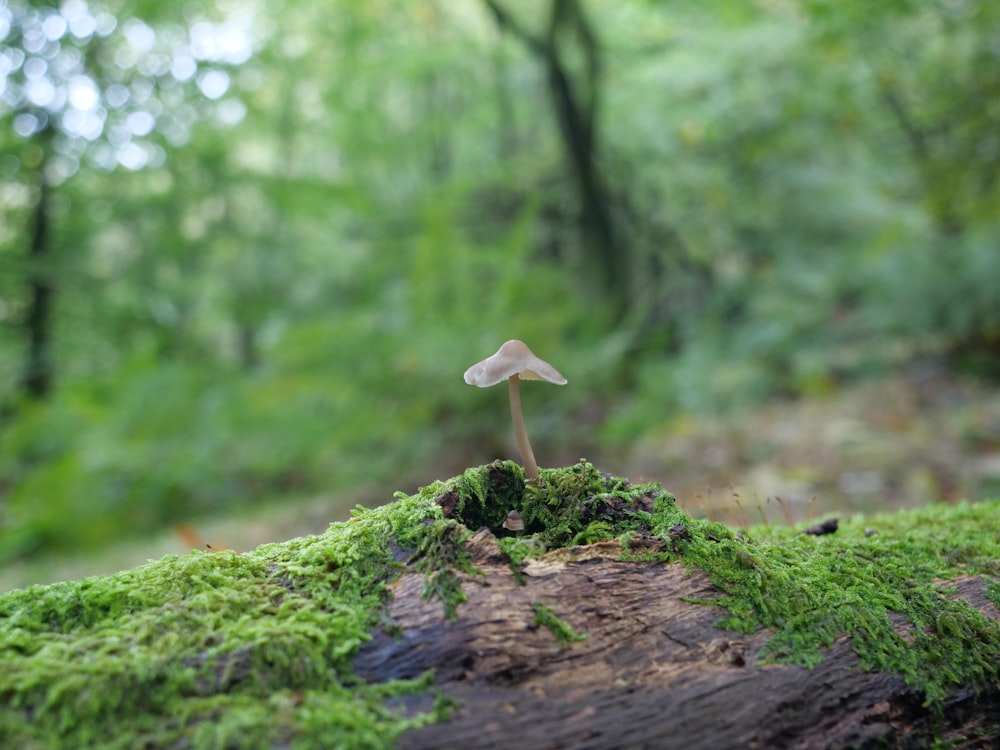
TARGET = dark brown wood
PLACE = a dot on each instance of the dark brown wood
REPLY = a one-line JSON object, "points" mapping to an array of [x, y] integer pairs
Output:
{"points": [[653, 672]]}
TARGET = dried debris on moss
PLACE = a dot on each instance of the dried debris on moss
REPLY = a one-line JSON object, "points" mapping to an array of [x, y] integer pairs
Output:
{"points": [[200, 650]]}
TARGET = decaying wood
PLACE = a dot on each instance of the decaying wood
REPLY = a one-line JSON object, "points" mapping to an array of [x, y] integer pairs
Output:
{"points": [[653, 672]]}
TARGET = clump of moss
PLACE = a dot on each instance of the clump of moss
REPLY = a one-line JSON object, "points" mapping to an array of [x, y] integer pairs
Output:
{"points": [[563, 507], [574, 505], [883, 591], [546, 617], [213, 650]]}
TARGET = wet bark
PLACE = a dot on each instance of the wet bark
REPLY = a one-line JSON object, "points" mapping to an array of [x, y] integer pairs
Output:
{"points": [[653, 671]]}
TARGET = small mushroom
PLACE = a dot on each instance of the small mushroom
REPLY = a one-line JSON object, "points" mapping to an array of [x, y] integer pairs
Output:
{"points": [[512, 362], [513, 521]]}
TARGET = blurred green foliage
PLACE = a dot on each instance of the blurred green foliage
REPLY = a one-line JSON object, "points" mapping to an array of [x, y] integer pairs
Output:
{"points": [[283, 295]]}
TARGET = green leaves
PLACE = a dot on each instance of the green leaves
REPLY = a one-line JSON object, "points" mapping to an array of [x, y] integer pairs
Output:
{"points": [[286, 302]]}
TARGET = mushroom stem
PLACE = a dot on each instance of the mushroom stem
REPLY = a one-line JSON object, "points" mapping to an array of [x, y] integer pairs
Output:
{"points": [[527, 455]]}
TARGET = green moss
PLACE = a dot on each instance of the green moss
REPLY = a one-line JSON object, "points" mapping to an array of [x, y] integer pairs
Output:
{"points": [[217, 650], [814, 589], [580, 505], [255, 650], [546, 617], [993, 592], [441, 555]]}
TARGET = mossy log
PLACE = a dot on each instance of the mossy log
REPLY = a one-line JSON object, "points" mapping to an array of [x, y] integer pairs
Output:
{"points": [[613, 619], [653, 669]]}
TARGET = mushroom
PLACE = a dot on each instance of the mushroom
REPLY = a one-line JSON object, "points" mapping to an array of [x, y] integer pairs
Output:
{"points": [[512, 362], [513, 521]]}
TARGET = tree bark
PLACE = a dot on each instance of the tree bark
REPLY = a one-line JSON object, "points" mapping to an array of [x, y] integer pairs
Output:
{"points": [[652, 672], [37, 379]]}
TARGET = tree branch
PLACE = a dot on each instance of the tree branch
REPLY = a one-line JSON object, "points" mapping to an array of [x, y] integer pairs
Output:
{"points": [[506, 21]]}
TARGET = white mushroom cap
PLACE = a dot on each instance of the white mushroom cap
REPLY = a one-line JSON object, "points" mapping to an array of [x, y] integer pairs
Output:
{"points": [[513, 358]]}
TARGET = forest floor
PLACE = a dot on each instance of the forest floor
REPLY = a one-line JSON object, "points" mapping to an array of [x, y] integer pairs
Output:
{"points": [[902, 441], [880, 445]]}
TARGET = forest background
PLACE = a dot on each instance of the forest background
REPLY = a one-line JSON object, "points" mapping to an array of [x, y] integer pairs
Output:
{"points": [[247, 249]]}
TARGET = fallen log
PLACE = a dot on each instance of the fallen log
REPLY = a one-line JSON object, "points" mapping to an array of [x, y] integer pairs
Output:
{"points": [[605, 617], [652, 671]]}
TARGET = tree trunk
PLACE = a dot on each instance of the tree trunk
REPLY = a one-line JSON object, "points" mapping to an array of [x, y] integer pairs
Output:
{"points": [[575, 107], [37, 379], [653, 671]]}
